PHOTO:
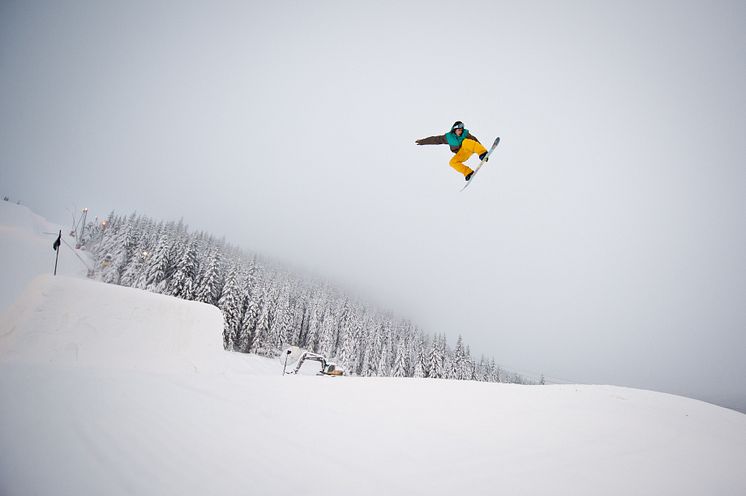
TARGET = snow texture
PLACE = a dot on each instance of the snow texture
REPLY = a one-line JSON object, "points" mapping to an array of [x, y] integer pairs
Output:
{"points": [[113, 390]]}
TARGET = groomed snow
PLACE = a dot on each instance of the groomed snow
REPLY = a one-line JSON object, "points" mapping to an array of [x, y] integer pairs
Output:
{"points": [[111, 390]]}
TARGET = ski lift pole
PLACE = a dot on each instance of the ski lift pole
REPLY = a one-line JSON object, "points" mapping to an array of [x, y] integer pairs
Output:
{"points": [[82, 228]]}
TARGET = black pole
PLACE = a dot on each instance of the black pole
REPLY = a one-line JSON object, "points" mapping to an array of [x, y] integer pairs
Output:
{"points": [[286, 361], [57, 249]]}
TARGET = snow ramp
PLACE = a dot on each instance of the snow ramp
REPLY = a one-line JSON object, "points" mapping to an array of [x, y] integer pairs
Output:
{"points": [[78, 322]]}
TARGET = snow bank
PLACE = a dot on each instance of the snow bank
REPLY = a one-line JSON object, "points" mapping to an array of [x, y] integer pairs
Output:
{"points": [[79, 322]]}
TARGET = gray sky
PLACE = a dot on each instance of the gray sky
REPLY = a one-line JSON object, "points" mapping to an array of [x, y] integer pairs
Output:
{"points": [[603, 242]]}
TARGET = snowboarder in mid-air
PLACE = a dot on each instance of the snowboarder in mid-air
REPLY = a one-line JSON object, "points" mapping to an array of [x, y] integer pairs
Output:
{"points": [[462, 143]]}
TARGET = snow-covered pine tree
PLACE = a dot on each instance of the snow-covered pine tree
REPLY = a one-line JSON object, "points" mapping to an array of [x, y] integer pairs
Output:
{"points": [[274, 338], [497, 373], [363, 329], [147, 248], [435, 359], [351, 340], [339, 315], [382, 367], [134, 270], [159, 267], [410, 347], [135, 266], [400, 362], [183, 280], [470, 368], [289, 324], [456, 370], [248, 325], [249, 297], [210, 283], [300, 320], [445, 356], [282, 323], [311, 341], [420, 364], [261, 342], [481, 370], [117, 252], [104, 242], [230, 304], [328, 337], [371, 348]]}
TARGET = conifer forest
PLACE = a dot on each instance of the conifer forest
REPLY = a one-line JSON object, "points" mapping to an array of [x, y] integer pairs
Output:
{"points": [[266, 308]]}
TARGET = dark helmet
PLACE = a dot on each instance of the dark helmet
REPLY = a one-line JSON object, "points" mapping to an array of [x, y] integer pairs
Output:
{"points": [[457, 125]]}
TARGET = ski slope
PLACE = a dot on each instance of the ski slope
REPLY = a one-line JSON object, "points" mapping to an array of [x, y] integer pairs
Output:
{"points": [[26, 250], [112, 390]]}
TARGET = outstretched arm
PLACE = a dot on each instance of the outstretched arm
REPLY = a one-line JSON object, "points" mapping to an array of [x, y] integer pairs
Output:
{"points": [[433, 140]]}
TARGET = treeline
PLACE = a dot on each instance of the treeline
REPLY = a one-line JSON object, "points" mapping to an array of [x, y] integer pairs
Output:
{"points": [[265, 308]]}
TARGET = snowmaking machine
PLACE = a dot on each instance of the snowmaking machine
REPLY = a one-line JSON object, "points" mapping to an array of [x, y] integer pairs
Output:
{"points": [[295, 355]]}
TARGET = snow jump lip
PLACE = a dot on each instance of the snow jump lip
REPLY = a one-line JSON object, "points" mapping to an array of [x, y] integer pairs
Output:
{"points": [[64, 320]]}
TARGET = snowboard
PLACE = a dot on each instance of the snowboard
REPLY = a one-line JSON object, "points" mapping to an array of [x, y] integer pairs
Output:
{"points": [[489, 152]]}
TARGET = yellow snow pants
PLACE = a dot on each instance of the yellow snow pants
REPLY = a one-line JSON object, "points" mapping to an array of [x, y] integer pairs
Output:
{"points": [[468, 148]]}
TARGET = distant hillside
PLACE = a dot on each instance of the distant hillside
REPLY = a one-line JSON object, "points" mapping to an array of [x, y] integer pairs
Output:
{"points": [[266, 308]]}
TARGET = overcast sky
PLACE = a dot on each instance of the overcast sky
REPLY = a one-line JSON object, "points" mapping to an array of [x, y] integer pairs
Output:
{"points": [[603, 243]]}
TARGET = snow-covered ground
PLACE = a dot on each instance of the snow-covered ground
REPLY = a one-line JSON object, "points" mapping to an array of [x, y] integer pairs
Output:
{"points": [[26, 250], [112, 390]]}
